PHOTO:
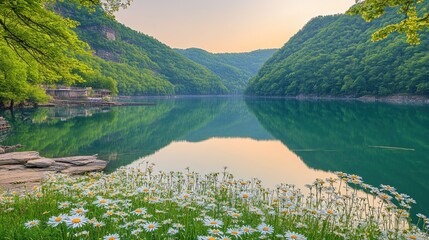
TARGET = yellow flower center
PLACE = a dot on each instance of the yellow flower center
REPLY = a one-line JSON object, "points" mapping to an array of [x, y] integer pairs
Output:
{"points": [[294, 237], [58, 219], [109, 213], [151, 226], [330, 211], [235, 215], [112, 238], [412, 237], [79, 211], [265, 229], [103, 201], [33, 223], [76, 220], [234, 232], [246, 230], [212, 238], [245, 195], [213, 223], [98, 225], [139, 210]]}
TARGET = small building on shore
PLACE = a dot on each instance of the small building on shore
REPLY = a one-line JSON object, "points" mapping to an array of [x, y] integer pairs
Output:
{"points": [[77, 92]]}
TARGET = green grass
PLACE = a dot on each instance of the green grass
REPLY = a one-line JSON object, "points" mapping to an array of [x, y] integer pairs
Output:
{"points": [[141, 204]]}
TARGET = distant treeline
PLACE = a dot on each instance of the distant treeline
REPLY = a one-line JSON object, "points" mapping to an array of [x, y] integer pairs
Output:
{"points": [[334, 56]]}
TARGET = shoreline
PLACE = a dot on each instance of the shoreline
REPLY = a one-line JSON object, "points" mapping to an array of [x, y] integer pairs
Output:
{"points": [[393, 99]]}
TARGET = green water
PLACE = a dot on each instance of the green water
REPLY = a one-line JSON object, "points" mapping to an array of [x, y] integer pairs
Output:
{"points": [[383, 143]]}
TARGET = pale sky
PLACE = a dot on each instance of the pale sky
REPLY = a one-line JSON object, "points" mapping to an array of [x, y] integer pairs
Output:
{"points": [[225, 25]]}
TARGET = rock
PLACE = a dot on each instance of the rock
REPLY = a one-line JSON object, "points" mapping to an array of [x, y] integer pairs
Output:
{"points": [[96, 165], [78, 160], [12, 167], [24, 169], [20, 176], [17, 157], [40, 163], [58, 167], [2, 150]]}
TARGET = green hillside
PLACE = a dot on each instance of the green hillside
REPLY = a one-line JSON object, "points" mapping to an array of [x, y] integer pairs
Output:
{"points": [[140, 64], [235, 69], [334, 56]]}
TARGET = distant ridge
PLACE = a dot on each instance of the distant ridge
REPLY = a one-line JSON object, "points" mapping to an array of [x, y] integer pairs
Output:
{"points": [[234, 69]]}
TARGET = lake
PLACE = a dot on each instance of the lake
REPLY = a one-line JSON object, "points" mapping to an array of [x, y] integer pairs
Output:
{"points": [[275, 140]]}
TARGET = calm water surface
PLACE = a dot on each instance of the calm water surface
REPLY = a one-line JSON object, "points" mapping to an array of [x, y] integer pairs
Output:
{"points": [[274, 140]]}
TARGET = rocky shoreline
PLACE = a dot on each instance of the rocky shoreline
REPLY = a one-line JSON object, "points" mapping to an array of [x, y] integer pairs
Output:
{"points": [[22, 170]]}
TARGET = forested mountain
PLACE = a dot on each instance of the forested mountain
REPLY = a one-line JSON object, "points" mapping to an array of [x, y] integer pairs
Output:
{"points": [[334, 56], [235, 69], [140, 64]]}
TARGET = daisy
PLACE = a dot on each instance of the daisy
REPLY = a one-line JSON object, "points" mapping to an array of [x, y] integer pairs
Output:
{"points": [[78, 211], [136, 232], [31, 223], [413, 237], [56, 220], [265, 228], [139, 211], [150, 226], [215, 232], [247, 230], [76, 221], [245, 195], [112, 237], [172, 231], [101, 201], [234, 232], [294, 236], [98, 224], [210, 222], [64, 205]]}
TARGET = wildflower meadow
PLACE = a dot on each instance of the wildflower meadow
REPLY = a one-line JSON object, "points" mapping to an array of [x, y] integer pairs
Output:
{"points": [[140, 203]]}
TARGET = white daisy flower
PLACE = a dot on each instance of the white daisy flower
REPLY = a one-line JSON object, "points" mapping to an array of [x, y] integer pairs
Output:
{"points": [[150, 226], [265, 229], [294, 236], [78, 211], [210, 222], [139, 211], [56, 220], [76, 221], [112, 237], [31, 223]]}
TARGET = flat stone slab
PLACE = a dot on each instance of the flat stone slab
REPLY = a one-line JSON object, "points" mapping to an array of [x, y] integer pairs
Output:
{"points": [[77, 160], [40, 163], [24, 169], [17, 157]]}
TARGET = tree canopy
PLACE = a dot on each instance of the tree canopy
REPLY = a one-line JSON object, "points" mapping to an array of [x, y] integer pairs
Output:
{"points": [[415, 18], [39, 47], [334, 56]]}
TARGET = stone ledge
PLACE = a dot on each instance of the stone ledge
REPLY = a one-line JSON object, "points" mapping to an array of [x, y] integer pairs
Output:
{"points": [[25, 169]]}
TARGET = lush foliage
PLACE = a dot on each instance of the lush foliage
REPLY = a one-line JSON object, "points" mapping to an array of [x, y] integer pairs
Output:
{"points": [[412, 22], [334, 56], [235, 69], [139, 203], [37, 47], [140, 64]]}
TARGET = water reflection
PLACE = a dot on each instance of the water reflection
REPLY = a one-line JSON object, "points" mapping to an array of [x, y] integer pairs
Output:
{"points": [[281, 140], [246, 158]]}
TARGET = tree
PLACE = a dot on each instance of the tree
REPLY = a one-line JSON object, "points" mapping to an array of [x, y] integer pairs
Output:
{"points": [[41, 45], [413, 22]]}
